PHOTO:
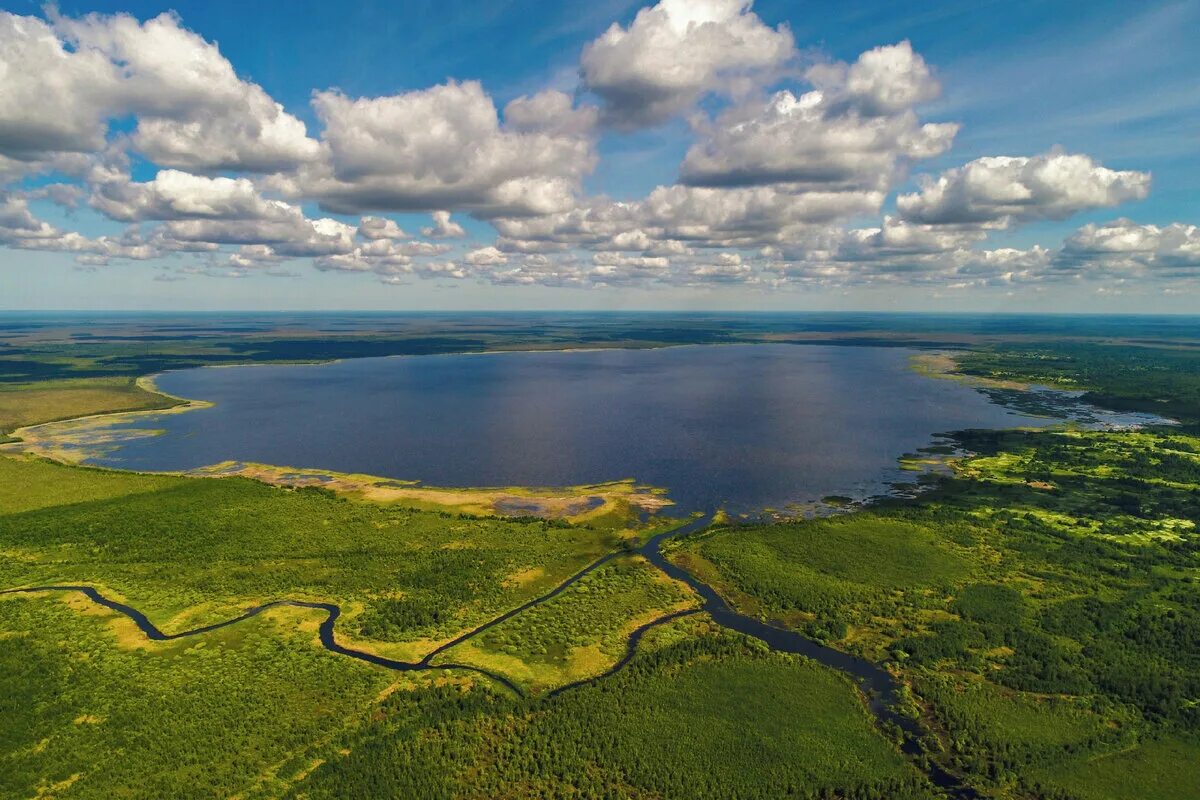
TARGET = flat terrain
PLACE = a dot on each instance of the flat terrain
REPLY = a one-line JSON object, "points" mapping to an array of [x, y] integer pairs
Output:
{"points": [[194, 551], [258, 709], [1043, 605], [698, 713], [1039, 603], [93, 711], [32, 404]]}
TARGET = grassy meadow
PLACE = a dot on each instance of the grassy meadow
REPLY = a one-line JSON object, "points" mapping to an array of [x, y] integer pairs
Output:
{"points": [[193, 551], [91, 710], [258, 710], [581, 632], [23, 404]]}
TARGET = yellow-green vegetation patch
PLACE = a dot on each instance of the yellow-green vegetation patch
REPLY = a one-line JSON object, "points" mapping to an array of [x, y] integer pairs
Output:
{"points": [[944, 365], [77, 440], [690, 559], [1110, 484], [980, 716], [697, 713], [614, 504], [24, 404], [28, 483], [1153, 456], [95, 430], [86, 718], [192, 551], [581, 632], [828, 565], [1165, 769]]}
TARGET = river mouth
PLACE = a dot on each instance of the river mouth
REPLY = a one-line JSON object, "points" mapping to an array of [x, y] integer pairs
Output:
{"points": [[746, 428]]}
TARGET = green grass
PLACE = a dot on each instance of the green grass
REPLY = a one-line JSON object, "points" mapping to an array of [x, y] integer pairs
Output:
{"points": [[1027, 728], [697, 714], [579, 633], [27, 484], [990, 603], [85, 717], [208, 547], [1167, 769], [24, 404], [251, 709], [828, 566]]}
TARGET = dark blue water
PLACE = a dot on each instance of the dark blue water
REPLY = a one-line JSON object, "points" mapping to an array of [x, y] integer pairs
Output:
{"points": [[742, 426]]}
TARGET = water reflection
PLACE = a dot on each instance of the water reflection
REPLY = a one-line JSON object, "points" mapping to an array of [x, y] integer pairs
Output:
{"points": [[741, 426]]}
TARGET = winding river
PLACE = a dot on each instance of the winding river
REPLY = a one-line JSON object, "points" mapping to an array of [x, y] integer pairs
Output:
{"points": [[736, 427], [880, 688]]}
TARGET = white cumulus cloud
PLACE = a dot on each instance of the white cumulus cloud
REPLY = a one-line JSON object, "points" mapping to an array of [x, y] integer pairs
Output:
{"points": [[443, 227], [443, 147], [1125, 245], [812, 141], [674, 52], [998, 190], [66, 79], [180, 195]]}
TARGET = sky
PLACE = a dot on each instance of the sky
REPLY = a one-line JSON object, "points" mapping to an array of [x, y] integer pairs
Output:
{"points": [[695, 154]]}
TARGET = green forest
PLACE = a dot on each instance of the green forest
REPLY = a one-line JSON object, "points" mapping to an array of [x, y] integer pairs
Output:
{"points": [[1043, 606], [194, 551], [1038, 604]]}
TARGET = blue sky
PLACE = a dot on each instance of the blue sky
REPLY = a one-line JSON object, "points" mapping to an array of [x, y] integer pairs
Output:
{"points": [[1115, 84]]}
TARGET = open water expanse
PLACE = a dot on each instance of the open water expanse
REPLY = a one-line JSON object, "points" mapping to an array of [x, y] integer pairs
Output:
{"points": [[746, 427]]}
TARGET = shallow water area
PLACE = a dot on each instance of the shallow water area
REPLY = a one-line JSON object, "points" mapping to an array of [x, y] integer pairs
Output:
{"points": [[743, 427]]}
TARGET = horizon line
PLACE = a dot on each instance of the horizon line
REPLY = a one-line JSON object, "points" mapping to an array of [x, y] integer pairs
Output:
{"points": [[728, 312]]}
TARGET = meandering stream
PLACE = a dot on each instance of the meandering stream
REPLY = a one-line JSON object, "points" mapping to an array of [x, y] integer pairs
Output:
{"points": [[743, 428], [879, 686]]}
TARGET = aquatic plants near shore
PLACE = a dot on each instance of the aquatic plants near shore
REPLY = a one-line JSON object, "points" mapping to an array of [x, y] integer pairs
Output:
{"points": [[1042, 603]]}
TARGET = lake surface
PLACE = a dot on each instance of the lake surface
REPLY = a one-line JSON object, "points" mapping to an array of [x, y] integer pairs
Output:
{"points": [[746, 427]]}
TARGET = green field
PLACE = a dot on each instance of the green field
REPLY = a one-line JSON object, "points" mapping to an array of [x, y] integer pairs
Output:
{"points": [[193, 551], [1009, 735], [114, 714], [697, 714], [1044, 604], [24, 404], [1167, 768], [87, 715], [580, 633], [828, 574]]}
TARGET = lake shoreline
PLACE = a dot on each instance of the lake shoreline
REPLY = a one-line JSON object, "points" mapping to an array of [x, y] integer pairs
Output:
{"points": [[149, 381], [436, 455], [27, 438]]}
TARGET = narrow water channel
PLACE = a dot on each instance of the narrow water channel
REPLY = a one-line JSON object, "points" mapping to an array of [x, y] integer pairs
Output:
{"points": [[879, 686]]}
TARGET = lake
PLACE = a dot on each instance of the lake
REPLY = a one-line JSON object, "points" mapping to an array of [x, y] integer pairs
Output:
{"points": [[745, 427]]}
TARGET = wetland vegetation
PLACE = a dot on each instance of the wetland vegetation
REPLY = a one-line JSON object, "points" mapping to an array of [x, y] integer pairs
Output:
{"points": [[24, 404], [698, 713], [1038, 603], [1043, 605], [808, 728], [197, 550]]}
